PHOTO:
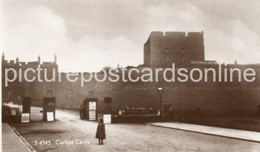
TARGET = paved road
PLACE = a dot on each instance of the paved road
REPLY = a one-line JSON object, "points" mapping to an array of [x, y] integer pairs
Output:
{"points": [[69, 133]]}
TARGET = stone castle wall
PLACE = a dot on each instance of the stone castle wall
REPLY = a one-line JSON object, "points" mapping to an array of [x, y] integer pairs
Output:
{"points": [[159, 51], [189, 95]]}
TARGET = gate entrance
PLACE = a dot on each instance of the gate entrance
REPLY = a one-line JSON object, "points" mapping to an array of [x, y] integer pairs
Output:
{"points": [[89, 109], [49, 106], [26, 111]]}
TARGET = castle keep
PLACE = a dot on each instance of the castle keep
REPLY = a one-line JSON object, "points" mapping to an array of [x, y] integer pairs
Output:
{"points": [[161, 50]]}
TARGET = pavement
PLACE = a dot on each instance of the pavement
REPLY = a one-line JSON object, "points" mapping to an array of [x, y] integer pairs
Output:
{"points": [[9, 139], [215, 131], [12, 141]]}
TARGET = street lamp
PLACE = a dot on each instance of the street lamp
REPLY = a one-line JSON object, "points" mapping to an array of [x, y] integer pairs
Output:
{"points": [[160, 95]]}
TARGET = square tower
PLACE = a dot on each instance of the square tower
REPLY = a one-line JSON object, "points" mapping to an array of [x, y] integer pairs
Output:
{"points": [[161, 50]]}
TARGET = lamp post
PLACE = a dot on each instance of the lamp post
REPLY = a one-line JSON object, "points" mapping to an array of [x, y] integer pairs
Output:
{"points": [[160, 95]]}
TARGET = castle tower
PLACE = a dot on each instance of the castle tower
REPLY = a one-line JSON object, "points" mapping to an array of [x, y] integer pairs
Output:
{"points": [[163, 49], [17, 60]]}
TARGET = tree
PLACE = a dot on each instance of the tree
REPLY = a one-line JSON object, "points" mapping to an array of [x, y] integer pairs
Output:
{"points": [[106, 68]]}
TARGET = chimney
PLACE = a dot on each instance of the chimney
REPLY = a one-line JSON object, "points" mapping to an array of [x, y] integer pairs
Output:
{"points": [[3, 56], [55, 59]]}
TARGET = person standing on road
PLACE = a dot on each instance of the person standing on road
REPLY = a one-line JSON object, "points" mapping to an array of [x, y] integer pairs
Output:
{"points": [[101, 133]]}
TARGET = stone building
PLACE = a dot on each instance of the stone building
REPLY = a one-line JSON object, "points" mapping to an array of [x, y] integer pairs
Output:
{"points": [[20, 88], [161, 50]]}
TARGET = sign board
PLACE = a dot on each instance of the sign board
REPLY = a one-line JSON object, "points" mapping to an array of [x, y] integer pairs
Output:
{"points": [[92, 115], [25, 117], [107, 118], [92, 105], [50, 116], [13, 111], [92, 110]]}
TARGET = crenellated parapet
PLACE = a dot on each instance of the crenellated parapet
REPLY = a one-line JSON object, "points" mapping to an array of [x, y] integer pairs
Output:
{"points": [[163, 49]]}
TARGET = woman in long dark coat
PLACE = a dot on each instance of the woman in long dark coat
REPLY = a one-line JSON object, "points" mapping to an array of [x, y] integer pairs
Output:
{"points": [[101, 133]]}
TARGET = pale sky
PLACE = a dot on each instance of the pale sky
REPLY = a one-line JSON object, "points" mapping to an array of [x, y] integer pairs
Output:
{"points": [[87, 35]]}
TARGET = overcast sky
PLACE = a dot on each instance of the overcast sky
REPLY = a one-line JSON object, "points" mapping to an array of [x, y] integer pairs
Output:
{"points": [[87, 35]]}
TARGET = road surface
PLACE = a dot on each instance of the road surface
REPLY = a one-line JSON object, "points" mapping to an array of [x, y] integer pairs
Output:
{"points": [[69, 133]]}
